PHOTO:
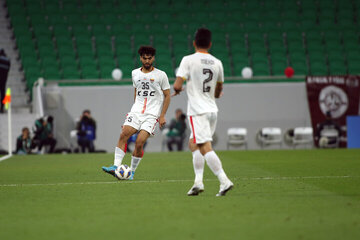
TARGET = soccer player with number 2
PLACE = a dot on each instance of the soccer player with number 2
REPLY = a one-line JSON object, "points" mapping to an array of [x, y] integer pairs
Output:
{"points": [[205, 76], [152, 99]]}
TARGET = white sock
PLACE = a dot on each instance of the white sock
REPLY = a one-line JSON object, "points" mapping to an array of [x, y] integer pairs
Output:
{"points": [[134, 162], [119, 155], [215, 165], [198, 162]]}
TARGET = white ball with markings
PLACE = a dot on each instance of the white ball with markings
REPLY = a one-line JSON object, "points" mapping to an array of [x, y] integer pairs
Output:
{"points": [[123, 172]]}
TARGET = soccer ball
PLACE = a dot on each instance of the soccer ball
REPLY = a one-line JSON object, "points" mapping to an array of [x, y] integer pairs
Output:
{"points": [[123, 172], [117, 74], [247, 72]]}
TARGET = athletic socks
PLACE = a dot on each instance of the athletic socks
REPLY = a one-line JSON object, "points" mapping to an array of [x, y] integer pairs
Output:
{"points": [[119, 155], [198, 162], [215, 165], [134, 163]]}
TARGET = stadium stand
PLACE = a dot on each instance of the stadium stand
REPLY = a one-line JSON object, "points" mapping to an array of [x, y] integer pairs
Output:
{"points": [[66, 39]]}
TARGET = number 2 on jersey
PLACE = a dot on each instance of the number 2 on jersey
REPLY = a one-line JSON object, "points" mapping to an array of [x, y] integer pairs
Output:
{"points": [[207, 71]]}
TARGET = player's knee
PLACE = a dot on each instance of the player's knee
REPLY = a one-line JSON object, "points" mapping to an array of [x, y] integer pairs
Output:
{"points": [[139, 143], [205, 148], [124, 136]]}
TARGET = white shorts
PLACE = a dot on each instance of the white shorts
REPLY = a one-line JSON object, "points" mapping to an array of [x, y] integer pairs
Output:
{"points": [[202, 127], [139, 121]]}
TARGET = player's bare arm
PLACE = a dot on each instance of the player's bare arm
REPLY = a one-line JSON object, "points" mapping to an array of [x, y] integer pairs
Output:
{"points": [[178, 86], [162, 120], [218, 89]]}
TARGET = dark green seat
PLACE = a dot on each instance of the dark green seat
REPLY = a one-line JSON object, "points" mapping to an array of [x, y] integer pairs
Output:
{"points": [[25, 42], [332, 35], [49, 61], [318, 68], [106, 72], [300, 67], [318, 54], [278, 68], [351, 45], [104, 50], [65, 50], [354, 67], [126, 69], [30, 63], [70, 73], [239, 67], [38, 19], [89, 73], [32, 75], [42, 30], [23, 31], [83, 50], [278, 57], [334, 55], [87, 61], [106, 61], [259, 56], [352, 56], [297, 56], [52, 8], [81, 31], [51, 73], [261, 69], [337, 67], [61, 30], [240, 57]]}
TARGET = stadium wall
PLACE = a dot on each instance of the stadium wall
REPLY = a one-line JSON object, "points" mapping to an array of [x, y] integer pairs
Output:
{"points": [[252, 106]]}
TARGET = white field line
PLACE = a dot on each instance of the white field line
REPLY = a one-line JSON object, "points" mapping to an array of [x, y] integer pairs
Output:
{"points": [[5, 157], [172, 181]]}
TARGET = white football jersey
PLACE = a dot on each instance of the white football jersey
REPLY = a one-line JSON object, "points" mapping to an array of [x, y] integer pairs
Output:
{"points": [[149, 91], [201, 71]]}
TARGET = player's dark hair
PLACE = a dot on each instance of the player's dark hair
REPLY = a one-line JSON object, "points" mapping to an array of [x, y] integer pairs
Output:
{"points": [[86, 111], [147, 50], [203, 38], [50, 119]]}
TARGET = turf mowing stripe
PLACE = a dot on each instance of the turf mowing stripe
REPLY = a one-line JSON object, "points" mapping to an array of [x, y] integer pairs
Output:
{"points": [[169, 181]]}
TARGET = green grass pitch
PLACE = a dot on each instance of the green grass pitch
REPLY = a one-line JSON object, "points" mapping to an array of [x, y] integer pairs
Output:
{"points": [[300, 194]]}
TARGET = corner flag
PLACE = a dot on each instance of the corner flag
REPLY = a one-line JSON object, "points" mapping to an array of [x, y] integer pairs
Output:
{"points": [[7, 99]]}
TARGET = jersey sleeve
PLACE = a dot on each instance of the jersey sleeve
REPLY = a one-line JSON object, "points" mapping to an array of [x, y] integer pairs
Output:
{"points": [[183, 70], [165, 82], [221, 72], [133, 78]]}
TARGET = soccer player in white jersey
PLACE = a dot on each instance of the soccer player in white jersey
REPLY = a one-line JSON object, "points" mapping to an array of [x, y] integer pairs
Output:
{"points": [[152, 99], [205, 76]]}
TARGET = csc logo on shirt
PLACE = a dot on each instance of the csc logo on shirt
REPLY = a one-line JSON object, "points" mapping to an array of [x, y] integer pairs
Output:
{"points": [[146, 93]]}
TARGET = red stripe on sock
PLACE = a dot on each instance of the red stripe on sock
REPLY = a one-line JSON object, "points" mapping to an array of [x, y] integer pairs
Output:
{"points": [[192, 127]]}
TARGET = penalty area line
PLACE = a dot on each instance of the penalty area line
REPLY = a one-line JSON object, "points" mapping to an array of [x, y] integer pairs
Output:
{"points": [[172, 181]]}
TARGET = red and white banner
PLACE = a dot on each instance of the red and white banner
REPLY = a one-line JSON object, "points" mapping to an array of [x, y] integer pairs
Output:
{"points": [[335, 96]]}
